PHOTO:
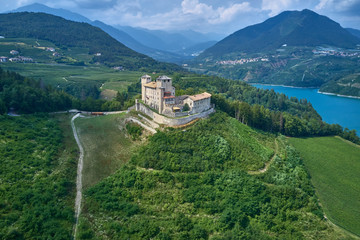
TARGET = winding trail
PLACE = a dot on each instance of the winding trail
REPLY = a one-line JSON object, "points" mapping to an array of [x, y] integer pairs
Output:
{"points": [[79, 175], [267, 165]]}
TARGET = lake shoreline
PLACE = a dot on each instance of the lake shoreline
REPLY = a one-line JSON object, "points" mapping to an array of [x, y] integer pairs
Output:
{"points": [[325, 93], [277, 85], [343, 110], [338, 95]]}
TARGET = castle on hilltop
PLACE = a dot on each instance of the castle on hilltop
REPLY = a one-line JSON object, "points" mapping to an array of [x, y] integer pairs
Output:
{"points": [[160, 95]]}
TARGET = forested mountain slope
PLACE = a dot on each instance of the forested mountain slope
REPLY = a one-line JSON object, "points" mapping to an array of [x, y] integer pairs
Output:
{"points": [[293, 28], [65, 33]]}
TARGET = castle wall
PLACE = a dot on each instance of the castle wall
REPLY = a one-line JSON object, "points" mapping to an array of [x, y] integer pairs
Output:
{"points": [[198, 106], [170, 121]]}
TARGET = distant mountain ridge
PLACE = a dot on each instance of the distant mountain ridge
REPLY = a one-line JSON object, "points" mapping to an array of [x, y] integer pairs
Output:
{"points": [[294, 28], [37, 7], [160, 45], [169, 41]]}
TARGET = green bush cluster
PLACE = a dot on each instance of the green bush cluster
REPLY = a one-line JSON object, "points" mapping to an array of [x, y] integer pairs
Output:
{"points": [[37, 190], [134, 130]]}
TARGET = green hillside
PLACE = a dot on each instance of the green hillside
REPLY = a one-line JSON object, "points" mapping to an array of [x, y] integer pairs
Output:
{"points": [[334, 167], [193, 184], [71, 71], [38, 171], [68, 34]]}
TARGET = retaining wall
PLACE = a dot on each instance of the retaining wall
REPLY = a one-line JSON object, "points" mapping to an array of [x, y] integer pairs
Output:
{"points": [[170, 121]]}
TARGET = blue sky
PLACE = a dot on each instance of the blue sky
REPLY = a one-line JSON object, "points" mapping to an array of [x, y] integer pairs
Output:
{"points": [[222, 16]]}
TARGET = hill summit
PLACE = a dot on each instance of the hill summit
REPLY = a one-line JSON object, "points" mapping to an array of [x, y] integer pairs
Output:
{"points": [[293, 28]]}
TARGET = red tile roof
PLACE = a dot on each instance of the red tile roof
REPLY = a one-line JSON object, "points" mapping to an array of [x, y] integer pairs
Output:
{"points": [[201, 96]]}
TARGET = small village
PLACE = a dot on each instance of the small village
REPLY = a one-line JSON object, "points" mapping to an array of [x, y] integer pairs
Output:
{"points": [[243, 61], [16, 57], [320, 51]]}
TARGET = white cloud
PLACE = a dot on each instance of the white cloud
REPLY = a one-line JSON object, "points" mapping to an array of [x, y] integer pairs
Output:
{"points": [[196, 8], [323, 4], [337, 5], [276, 6], [214, 15], [228, 14], [188, 14]]}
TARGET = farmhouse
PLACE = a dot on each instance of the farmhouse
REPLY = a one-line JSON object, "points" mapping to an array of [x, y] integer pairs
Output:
{"points": [[14, 52], [160, 95]]}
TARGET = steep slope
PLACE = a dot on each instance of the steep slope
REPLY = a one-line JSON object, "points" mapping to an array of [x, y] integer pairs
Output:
{"points": [[294, 28], [66, 33]]}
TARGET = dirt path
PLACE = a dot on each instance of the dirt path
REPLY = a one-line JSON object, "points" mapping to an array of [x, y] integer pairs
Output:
{"points": [[79, 175], [267, 165]]}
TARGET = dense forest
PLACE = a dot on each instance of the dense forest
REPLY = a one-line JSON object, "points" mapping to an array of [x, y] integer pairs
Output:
{"points": [[194, 184], [37, 189], [25, 95], [75, 34], [263, 109]]}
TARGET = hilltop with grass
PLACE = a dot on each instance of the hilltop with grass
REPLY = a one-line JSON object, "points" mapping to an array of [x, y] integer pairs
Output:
{"points": [[202, 182]]}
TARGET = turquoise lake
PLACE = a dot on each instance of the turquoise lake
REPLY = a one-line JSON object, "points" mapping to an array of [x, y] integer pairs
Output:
{"points": [[333, 109]]}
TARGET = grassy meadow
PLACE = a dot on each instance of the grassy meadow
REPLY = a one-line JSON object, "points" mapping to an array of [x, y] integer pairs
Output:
{"points": [[334, 166], [106, 146]]}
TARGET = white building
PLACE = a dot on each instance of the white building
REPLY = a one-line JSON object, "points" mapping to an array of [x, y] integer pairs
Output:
{"points": [[160, 95]]}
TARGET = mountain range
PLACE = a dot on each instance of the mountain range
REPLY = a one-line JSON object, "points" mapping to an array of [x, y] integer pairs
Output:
{"points": [[160, 45], [293, 28], [294, 48]]}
